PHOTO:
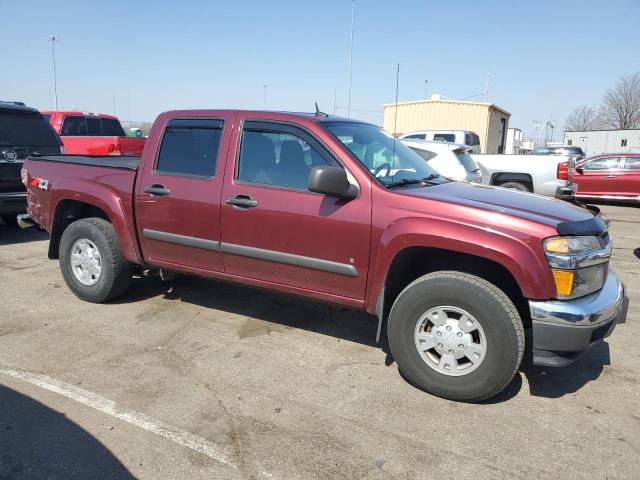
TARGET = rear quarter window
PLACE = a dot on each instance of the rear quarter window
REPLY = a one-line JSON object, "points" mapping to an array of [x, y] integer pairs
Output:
{"points": [[18, 129], [112, 128]]}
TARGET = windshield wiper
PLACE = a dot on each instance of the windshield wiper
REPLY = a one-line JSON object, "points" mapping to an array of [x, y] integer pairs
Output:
{"points": [[412, 181]]}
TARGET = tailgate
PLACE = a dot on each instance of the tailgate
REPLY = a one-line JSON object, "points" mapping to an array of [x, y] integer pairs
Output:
{"points": [[131, 145]]}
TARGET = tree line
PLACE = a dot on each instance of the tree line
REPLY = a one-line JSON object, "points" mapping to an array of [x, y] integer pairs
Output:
{"points": [[620, 108]]}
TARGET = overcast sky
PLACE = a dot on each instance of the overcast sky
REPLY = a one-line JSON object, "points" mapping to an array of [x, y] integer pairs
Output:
{"points": [[545, 57]]}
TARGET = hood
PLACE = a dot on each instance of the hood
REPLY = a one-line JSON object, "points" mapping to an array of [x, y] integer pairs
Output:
{"points": [[529, 206]]}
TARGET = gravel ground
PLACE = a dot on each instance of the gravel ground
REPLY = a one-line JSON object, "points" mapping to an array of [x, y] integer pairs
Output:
{"points": [[199, 379]]}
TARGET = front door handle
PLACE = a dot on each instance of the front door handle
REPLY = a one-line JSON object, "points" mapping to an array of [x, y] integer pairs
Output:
{"points": [[241, 201], [611, 176], [157, 190]]}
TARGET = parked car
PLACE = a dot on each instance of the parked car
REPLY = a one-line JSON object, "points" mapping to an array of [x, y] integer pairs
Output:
{"points": [[548, 175], [576, 152], [465, 137], [449, 159], [609, 176], [23, 131], [93, 134], [293, 202]]}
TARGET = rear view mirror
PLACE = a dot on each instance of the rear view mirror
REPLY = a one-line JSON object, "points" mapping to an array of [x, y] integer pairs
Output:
{"points": [[331, 180]]}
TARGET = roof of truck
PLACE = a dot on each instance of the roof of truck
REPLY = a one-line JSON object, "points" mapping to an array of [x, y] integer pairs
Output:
{"points": [[16, 107], [85, 114], [282, 115]]}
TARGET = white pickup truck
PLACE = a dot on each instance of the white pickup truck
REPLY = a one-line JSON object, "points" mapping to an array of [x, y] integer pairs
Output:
{"points": [[548, 175]]}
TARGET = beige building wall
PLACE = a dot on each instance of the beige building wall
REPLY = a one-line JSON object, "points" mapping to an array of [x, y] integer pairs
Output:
{"points": [[479, 117]]}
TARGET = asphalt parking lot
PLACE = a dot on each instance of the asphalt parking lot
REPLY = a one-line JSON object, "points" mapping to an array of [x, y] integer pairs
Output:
{"points": [[199, 379]]}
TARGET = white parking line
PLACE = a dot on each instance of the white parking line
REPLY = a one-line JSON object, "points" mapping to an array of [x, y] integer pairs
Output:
{"points": [[182, 437]]}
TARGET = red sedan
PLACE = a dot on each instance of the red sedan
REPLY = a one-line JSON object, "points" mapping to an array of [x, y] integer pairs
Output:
{"points": [[612, 176]]}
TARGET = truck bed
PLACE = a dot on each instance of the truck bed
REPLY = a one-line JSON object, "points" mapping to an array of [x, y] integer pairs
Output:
{"points": [[123, 162]]}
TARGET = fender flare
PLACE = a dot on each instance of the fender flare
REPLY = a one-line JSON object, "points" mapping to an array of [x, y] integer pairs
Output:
{"points": [[105, 199], [526, 264]]}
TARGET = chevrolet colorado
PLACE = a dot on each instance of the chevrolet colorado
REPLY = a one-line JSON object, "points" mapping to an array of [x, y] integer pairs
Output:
{"points": [[295, 203]]}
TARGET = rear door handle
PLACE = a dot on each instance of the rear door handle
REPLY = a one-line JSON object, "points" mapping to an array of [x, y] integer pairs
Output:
{"points": [[241, 201], [157, 190], [611, 176]]}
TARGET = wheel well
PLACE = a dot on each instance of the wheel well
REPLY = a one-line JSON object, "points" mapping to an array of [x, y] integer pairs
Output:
{"points": [[67, 212], [414, 262], [504, 177]]}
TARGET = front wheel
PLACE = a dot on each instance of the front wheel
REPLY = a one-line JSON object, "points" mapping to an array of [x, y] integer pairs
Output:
{"points": [[457, 336], [91, 261]]}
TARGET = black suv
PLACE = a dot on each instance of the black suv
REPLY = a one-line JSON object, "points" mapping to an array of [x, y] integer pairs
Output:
{"points": [[23, 132]]}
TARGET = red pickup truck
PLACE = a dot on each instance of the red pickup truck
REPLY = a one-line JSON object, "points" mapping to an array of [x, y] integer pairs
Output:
{"points": [[93, 134], [295, 203]]}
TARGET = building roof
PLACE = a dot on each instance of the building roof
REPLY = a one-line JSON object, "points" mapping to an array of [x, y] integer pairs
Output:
{"points": [[442, 100], [605, 130]]}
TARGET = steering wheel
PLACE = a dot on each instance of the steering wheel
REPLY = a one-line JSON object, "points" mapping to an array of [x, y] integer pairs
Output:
{"points": [[382, 167]]}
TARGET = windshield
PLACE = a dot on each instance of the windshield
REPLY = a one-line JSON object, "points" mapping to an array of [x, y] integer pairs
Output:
{"points": [[19, 129], [388, 161]]}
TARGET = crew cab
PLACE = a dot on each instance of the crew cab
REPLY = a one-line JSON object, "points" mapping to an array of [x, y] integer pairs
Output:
{"points": [[549, 175], [93, 134], [301, 203]]}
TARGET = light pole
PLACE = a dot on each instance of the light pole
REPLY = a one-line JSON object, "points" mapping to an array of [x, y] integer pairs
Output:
{"points": [[53, 41], [426, 82], [353, 8], [264, 97]]}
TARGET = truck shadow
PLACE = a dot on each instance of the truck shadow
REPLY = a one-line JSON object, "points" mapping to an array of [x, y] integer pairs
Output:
{"points": [[291, 311], [38, 442], [11, 234]]}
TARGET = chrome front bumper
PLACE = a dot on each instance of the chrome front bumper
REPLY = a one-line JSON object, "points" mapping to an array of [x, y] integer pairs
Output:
{"points": [[564, 329]]}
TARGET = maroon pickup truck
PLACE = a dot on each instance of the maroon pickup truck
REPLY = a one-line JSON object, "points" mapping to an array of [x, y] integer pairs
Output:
{"points": [[337, 210]]}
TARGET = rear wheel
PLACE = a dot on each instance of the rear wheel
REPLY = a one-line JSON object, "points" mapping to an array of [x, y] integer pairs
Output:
{"points": [[91, 261], [515, 186], [456, 336]]}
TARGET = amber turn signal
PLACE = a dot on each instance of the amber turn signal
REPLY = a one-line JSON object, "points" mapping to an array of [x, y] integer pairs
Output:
{"points": [[564, 282]]}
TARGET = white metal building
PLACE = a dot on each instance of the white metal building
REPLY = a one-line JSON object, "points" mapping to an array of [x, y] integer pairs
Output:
{"points": [[604, 141]]}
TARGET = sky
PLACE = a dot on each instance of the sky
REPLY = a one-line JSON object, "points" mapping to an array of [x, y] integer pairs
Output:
{"points": [[544, 57]]}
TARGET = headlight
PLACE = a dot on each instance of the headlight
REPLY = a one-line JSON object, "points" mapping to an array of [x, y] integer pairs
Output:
{"points": [[578, 264]]}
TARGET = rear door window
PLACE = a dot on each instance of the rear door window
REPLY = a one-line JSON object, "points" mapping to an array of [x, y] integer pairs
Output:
{"points": [[190, 148], [417, 136], [444, 137], [94, 127], [74, 126], [632, 163], [18, 129]]}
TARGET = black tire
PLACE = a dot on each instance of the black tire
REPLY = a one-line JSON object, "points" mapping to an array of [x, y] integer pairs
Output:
{"points": [[115, 276], [489, 305], [515, 186], [10, 220]]}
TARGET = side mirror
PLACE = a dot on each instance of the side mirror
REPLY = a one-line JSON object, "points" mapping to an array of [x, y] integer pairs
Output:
{"points": [[580, 170], [331, 180]]}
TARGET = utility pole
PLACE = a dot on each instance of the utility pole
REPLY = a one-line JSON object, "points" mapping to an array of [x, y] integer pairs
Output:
{"points": [[264, 97], [353, 8], [486, 87], [114, 103], [53, 41], [426, 82], [334, 102]]}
